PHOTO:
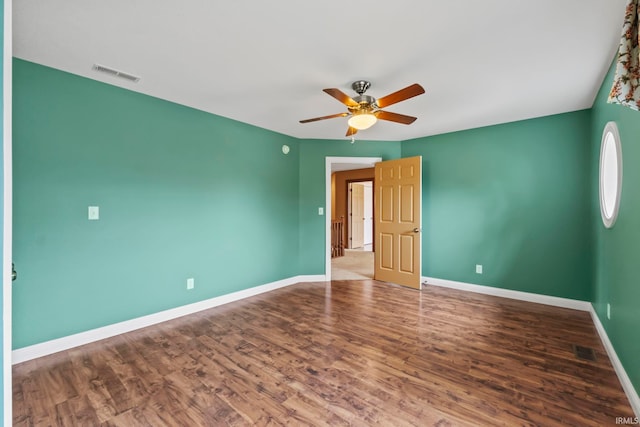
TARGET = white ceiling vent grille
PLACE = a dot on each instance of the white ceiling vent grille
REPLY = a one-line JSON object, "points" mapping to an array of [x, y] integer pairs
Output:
{"points": [[116, 73]]}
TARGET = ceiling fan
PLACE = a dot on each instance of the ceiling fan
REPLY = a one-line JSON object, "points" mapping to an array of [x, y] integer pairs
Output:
{"points": [[364, 110]]}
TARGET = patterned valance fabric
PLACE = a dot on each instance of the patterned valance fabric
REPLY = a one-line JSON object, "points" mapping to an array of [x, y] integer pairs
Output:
{"points": [[626, 83]]}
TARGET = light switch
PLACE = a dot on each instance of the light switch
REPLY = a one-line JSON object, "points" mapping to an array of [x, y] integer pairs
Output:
{"points": [[320, 211], [94, 212]]}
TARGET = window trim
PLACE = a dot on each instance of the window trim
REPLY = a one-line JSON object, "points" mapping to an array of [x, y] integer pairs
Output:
{"points": [[610, 129]]}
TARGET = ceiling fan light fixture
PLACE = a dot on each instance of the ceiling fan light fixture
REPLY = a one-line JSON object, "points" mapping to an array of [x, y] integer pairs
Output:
{"points": [[362, 121], [364, 110]]}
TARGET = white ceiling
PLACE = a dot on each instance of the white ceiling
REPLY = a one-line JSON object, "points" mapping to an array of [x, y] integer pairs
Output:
{"points": [[266, 62]]}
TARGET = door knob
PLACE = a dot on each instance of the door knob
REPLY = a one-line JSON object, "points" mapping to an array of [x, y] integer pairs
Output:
{"points": [[416, 230]]}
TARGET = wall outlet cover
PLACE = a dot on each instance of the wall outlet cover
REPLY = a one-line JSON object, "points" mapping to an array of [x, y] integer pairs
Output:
{"points": [[479, 268], [94, 213]]}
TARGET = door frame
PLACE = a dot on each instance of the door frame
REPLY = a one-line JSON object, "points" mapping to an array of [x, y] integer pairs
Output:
{"points": [[7, 236], [360, 162]]}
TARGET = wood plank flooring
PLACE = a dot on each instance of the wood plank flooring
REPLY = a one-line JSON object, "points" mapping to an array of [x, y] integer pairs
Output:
{"points": [[337, 353]]}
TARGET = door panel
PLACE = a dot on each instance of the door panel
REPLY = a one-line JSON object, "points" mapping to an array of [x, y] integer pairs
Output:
{"points": [[406, 203], [398, 207], [385, 252], [386, 203], [406, 253]]}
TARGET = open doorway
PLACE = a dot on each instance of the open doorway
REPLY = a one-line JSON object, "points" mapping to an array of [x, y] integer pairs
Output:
{"points": [[360, 215], [356, 261]]}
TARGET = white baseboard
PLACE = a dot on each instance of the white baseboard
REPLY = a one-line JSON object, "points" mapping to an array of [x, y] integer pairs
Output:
{"points": [[311, 278], [60, 344], [508, 293], [625, 381]]}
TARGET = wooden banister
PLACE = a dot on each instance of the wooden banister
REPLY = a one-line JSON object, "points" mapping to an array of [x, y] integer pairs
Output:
{"points": [[337, 238]]}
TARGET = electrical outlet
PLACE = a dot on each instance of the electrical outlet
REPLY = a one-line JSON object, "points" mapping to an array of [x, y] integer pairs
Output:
{"points": [[608, 311], [320, 211], [191, 283], [479, 268]]}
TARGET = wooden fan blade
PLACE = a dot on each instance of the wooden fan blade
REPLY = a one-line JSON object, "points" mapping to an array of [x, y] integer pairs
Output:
{"points": [[324, 117], [351, 131], [341, 96], [406, 93], [395, 117]]}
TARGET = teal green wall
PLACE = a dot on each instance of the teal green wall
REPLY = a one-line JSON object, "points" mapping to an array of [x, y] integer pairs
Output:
{"points": [[514, 198], [182, 193], [617, 249], [313, 155]]}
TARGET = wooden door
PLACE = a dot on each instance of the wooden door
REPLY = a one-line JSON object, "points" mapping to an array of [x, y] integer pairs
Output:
{"points": [[357, 215], [398, 221]]}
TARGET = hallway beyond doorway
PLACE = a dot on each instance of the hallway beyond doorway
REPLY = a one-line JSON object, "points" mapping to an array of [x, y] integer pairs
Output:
{"points": [[356, 264]]}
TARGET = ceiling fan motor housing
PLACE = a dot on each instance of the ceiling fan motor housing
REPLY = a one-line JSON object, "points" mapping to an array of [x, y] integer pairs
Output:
{"points": [[365, 102]]}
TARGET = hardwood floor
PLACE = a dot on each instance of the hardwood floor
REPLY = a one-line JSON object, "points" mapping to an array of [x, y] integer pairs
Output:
{"points": [[339, 353]]}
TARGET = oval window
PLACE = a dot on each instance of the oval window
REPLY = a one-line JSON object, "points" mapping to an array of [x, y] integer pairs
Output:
{"points": [[610, 174]]}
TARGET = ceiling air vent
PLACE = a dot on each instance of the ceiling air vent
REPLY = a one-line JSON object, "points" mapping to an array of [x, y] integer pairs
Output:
{"points": [[116, 73]]}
